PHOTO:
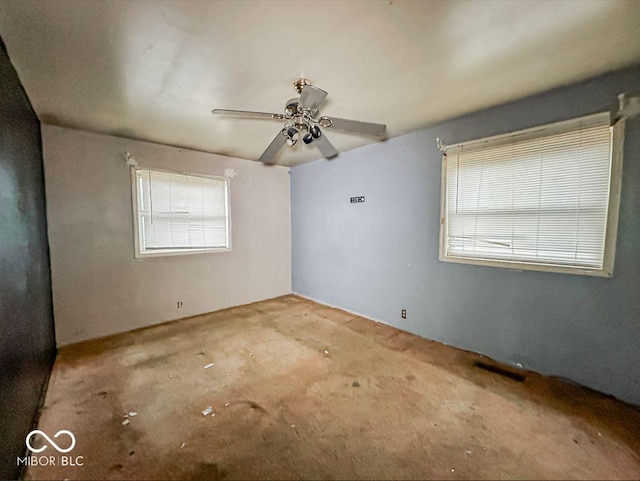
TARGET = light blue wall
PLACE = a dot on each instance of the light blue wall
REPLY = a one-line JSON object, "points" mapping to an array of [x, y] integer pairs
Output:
{"points": [[381, 256]]}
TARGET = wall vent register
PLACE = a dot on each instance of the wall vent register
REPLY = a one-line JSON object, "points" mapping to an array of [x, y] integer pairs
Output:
{"points": [[545, 198], [179, 213]]}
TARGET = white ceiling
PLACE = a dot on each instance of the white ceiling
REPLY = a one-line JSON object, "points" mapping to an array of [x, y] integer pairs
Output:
{"points": [[153, 70]]}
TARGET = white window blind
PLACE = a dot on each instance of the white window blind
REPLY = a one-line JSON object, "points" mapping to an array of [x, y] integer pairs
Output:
{"points": [[539, 197], [181, 213]]}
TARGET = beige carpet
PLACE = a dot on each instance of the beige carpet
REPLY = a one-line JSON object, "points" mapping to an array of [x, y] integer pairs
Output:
{"points": [[303, 391]]}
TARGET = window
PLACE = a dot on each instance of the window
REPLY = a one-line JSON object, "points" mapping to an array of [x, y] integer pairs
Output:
{"points": [[543, 199], [179, 213]]}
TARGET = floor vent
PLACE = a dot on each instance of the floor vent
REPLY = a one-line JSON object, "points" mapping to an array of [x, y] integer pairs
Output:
{"points": [[499, 370]]}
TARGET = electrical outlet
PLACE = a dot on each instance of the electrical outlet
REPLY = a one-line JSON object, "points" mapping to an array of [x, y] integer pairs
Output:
{"points": [[403, 313], [179, 304]]}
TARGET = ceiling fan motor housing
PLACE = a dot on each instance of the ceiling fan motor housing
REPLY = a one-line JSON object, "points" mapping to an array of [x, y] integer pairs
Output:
{"points": [[291, 107]]}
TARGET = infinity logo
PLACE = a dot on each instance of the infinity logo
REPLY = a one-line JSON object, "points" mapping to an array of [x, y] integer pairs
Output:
{"points": [[53, 444]]}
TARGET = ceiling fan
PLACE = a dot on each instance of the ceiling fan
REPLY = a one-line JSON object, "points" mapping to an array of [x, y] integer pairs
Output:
{"points": [[301, 120]]}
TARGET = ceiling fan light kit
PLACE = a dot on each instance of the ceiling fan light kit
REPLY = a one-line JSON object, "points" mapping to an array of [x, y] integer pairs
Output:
{"points": [[301, 120]]}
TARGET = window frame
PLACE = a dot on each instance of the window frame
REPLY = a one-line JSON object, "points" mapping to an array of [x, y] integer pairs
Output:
{"points": [[139, 253], [613, 208]]}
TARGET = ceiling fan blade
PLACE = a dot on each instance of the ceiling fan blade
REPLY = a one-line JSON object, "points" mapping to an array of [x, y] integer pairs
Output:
{"points": [[354, 126], [274, 147], [247, 114], [311, 97], [325, 147]]}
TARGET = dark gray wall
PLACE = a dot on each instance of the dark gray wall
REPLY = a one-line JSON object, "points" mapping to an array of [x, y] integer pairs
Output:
{"points": [[27, 345], [381, 256]]}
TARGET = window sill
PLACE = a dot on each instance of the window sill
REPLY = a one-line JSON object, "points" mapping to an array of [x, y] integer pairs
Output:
{"points": [[526, 266], [181, 252]]}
